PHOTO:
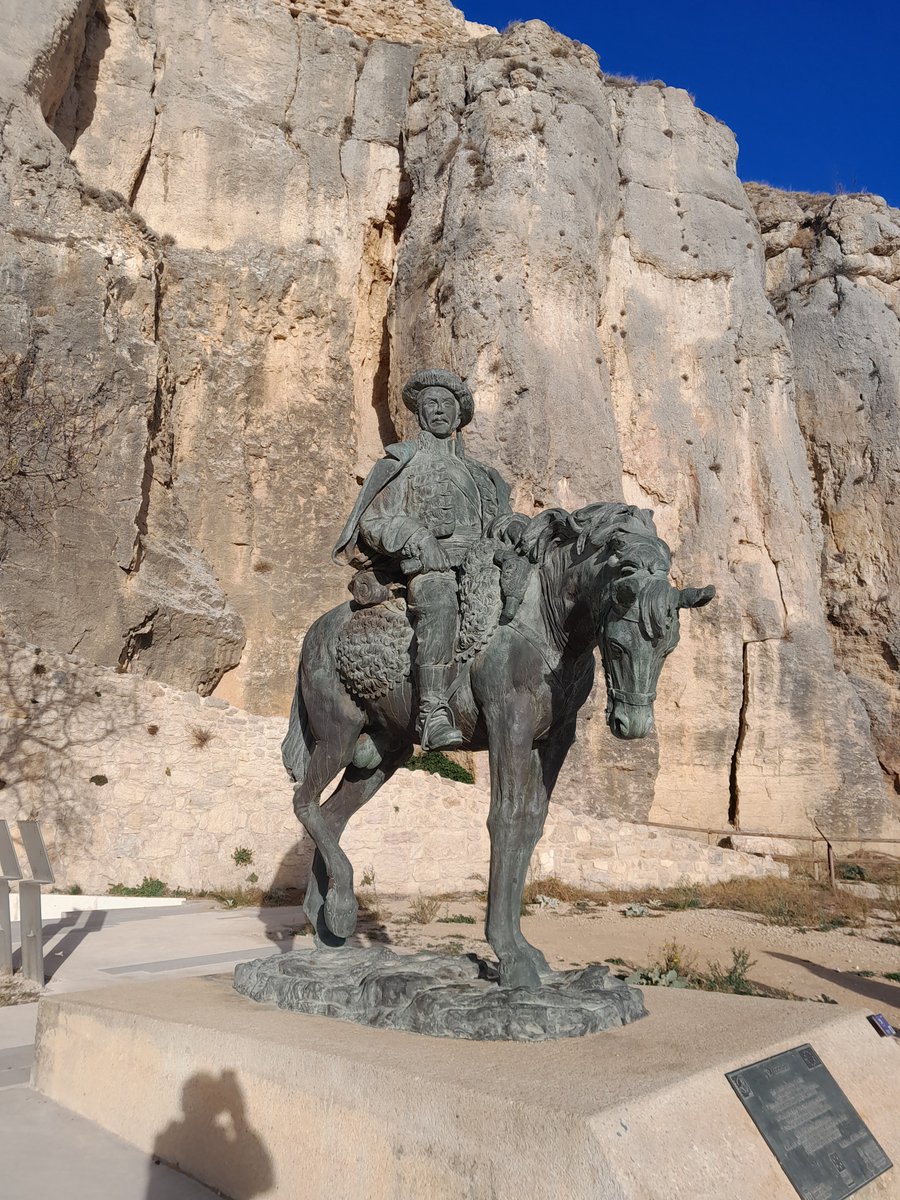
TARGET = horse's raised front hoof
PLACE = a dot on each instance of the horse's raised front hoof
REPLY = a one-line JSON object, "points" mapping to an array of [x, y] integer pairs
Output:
{"points": [[519, 972], [340, 913]]}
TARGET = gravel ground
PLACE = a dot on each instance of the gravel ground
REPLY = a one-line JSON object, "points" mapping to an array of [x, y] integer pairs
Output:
{"points": [[809, 964]]}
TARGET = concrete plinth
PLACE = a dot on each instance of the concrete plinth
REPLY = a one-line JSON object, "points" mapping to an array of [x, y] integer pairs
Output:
{"points": [[259, 1102]]}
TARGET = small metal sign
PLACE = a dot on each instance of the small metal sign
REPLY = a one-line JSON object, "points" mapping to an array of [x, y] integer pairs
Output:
{"points": [[9, 860], [809, 1124], [880, 1022], [33, 841]]}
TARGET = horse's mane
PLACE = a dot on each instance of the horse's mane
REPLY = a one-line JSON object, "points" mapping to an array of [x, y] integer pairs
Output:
{"points": [[623, 529], [591, 527]]}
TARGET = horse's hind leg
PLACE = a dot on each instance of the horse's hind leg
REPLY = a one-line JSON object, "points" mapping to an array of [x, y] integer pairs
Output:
{"points": [[328, 757], [355, 789]]}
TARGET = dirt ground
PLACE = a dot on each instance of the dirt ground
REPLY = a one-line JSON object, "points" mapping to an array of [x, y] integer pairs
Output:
{"points": [[812, 965], [15, 990]]}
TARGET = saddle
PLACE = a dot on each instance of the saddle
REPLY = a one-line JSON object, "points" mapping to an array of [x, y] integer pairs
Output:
{"points": [[374, 651]]}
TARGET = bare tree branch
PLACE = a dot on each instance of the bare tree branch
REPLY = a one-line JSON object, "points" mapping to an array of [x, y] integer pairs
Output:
{"points": [[47, 430]]}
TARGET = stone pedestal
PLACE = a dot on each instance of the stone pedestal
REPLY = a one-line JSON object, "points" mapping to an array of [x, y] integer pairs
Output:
{"points": [[259, 1102]]}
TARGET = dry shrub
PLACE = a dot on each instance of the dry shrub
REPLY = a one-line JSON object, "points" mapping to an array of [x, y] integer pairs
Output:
{"points": [[15, 989], [799, 901], [424, 909], [674, 956], [731, 979], [555, 889], [201, 737], [875, 867], [253, 897], [621, 81], [368, 900]]}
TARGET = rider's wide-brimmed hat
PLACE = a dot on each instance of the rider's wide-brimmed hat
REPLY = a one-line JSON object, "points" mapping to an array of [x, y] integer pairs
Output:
{"points": [[445, 379]]}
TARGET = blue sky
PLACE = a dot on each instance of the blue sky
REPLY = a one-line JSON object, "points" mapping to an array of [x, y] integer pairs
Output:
{"points": [[812, 90]]}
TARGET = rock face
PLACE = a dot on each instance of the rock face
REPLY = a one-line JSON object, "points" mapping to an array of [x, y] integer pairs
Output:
{"points": [[235, 226], [81, 301], [833, 275]]}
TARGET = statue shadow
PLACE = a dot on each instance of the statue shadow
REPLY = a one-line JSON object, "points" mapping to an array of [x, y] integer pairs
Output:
{"points": [[212, 1142], [881, 993], [285, 922]]}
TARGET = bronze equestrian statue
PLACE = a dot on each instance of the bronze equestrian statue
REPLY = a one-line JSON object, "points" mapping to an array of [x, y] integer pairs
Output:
{"points": [[473, 626]]}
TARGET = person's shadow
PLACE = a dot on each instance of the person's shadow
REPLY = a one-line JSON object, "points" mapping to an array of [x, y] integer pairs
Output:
{"points": [[212, 1143]]}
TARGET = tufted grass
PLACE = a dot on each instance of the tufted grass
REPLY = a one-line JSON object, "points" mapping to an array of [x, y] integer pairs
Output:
{"points": [[799, 901]]}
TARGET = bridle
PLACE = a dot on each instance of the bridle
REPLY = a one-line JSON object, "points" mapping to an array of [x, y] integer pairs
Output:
{"points": [[619, 694]]}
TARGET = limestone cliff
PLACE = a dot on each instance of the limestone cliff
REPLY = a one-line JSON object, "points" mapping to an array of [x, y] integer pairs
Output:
{"points": [[238, 224], [833, 275]]}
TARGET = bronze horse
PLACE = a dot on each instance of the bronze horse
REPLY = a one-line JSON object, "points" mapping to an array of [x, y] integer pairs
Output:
{"points": [[600, 578]]}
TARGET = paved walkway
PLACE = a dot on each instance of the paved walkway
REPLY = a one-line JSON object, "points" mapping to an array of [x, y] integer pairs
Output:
{"points": [[96, 949]]}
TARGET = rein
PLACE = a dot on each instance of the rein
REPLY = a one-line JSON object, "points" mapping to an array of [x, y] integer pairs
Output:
{"points": [[533, 638]]}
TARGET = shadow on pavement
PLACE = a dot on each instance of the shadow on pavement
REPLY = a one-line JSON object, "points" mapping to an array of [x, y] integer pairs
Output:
{"points": [[79, 924], [82, 925], [212, 1142]]}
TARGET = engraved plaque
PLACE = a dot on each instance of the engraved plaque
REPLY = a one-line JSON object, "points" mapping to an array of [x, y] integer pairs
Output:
{"points": [[809, 1124]]}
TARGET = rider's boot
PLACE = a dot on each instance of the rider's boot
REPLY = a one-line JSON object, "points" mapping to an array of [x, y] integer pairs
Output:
{"points": [[435, 724]]}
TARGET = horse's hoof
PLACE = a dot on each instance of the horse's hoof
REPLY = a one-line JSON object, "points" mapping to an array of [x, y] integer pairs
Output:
{"points": [[538, 960], [340, 913], [325, 940], [519, 973]]}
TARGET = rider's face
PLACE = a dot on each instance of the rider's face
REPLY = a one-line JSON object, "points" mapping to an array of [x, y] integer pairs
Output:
{"points": [[438, 412]]}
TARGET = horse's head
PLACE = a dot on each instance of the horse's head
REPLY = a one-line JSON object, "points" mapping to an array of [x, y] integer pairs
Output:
{"points": [[638, 628]]}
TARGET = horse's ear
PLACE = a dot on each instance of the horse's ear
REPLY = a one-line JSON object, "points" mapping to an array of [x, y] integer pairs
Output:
{"points": [[625, 592], [695, 597]]}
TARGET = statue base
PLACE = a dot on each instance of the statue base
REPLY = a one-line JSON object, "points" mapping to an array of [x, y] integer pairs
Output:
{"points": [[438, 995], [258, 1102]]}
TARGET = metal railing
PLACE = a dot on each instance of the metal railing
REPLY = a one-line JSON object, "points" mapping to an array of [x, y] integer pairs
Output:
{"points": [[30, 926], [812, 838]]}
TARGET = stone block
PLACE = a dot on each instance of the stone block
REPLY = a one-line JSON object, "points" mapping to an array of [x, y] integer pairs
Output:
{"points": [[263, 1103]]}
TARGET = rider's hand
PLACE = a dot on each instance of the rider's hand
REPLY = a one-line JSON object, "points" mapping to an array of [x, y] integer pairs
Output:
{"points": [[509, 528], [431, 556]]}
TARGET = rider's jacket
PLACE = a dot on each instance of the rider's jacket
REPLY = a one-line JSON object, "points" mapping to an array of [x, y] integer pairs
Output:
{"points": [[424, 486]]}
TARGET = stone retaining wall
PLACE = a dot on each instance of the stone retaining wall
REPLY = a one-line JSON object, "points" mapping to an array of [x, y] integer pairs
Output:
{"points": [[131, 778]]}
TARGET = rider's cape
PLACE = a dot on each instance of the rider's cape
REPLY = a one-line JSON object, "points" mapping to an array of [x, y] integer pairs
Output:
{"points": [[347, 550]]}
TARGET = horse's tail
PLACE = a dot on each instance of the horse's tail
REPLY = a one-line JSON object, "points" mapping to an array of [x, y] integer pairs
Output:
{"points": [[298, 741]]}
